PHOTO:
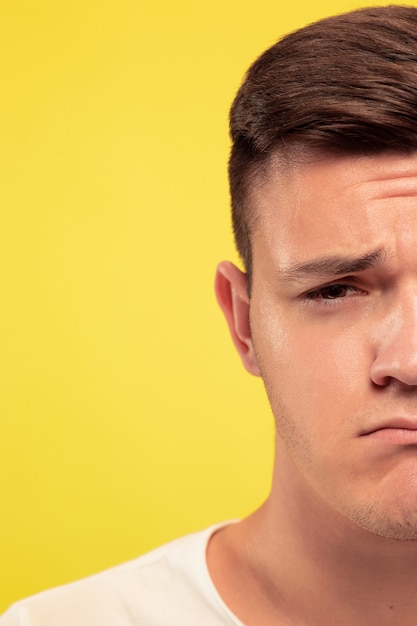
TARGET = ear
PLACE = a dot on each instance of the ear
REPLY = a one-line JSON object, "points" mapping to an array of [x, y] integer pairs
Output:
{"points": [[232, 296]]}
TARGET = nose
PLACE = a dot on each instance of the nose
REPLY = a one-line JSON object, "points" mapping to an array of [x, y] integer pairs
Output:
{"points": [[396, 343]]}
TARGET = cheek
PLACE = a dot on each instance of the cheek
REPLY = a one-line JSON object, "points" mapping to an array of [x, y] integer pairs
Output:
{"points": [[315, 374]]}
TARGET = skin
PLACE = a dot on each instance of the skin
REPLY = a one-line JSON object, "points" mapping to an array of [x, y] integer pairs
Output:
{"points": [[331, 326]]}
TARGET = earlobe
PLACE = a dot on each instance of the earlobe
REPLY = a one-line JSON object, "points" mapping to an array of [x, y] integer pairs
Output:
{"points": [[233, 298]]}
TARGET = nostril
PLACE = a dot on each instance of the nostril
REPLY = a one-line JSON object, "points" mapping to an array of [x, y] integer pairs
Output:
{"points": [[395, 365]]}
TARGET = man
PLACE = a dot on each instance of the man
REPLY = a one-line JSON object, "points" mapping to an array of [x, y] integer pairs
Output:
{"points": [[323, 176]]}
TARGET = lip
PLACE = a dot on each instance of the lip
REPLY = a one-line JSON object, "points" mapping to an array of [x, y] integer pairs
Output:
{"points": [[399, 431]]}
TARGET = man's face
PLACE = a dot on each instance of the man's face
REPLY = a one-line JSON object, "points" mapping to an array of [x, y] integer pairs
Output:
{"points": [[333, 314]]}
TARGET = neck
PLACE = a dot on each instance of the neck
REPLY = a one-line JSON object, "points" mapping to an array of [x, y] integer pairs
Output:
{"points": [[301, 543], [298, 561]]}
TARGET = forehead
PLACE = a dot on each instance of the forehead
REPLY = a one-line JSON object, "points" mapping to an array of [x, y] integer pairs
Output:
{"points": [[334, 205]]}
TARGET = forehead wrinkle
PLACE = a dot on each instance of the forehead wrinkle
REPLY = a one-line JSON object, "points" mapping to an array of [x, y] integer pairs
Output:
{"points": [[335, 265]]}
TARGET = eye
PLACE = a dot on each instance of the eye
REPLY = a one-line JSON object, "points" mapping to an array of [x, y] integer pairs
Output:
{"points": [[331, 292]]}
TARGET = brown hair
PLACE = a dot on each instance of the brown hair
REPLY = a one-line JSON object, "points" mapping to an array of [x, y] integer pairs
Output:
{"points": [[346, 84]]}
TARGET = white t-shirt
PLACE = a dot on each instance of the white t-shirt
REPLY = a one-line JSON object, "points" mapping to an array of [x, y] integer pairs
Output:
{"points": [[170, 586]]}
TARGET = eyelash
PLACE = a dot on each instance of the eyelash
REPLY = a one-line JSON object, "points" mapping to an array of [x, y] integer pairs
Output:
{"points": [[316, 296]]}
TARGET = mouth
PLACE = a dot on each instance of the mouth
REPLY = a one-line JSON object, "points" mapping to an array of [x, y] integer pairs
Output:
{"points": [[398, 431]]}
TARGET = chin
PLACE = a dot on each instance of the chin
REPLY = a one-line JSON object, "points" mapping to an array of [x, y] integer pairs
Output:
{"points": [[396, 522]]}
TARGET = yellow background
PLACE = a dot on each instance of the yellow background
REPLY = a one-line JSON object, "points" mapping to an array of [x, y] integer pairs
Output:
{"points": [[125, 418]]}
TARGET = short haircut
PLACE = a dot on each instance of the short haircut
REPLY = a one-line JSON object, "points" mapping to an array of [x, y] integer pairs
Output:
{"points": [[344, 85]]}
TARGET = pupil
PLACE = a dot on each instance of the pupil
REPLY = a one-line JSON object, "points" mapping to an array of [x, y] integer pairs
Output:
{"points": [[334, 291]]}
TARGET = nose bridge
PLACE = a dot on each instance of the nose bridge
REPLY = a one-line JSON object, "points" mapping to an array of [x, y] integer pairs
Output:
{"points": [[403, 313], [396, 355]]}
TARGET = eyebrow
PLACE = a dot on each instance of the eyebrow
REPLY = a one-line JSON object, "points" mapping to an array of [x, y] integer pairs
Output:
{"points": [[333, 266]]}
